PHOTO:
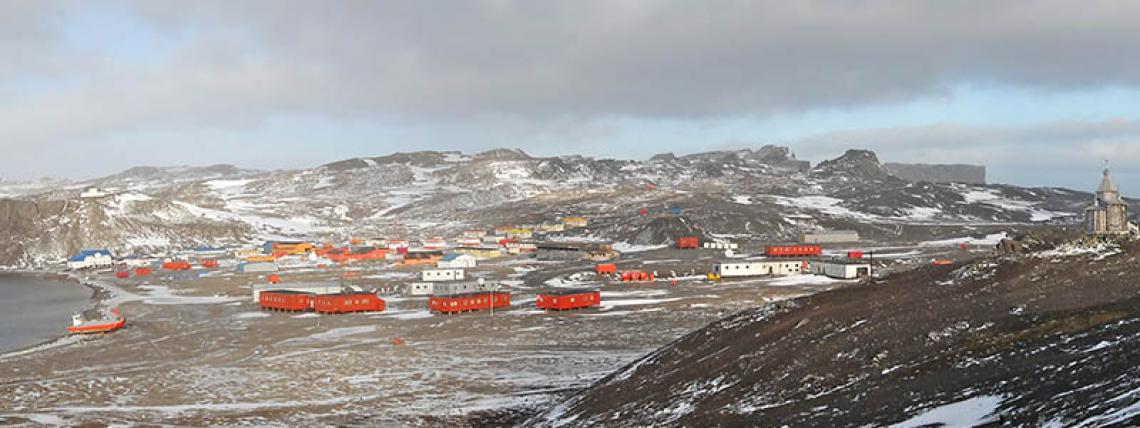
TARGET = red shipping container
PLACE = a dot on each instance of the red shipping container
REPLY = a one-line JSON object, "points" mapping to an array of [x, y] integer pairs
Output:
{"points": [[631, 276], [209, 263], [456, 303], [176, 265], [854, 254], [285, 300], [793, 250], [142, 271], [347, 303], [568, 299], [122, 274], [688, 242], [605, 268]]}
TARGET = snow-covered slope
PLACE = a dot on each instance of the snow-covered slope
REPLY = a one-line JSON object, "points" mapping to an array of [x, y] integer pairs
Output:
{"points": [[1044, 339]]}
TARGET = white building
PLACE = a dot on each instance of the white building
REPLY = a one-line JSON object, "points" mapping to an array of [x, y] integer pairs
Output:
{"points": [[830, 237], [92, 192], [138, 261], [456, 261], [419, 289], [720, 245], [461, 288], [442, 274], [729, 269], [90, 259], [841, 268]]}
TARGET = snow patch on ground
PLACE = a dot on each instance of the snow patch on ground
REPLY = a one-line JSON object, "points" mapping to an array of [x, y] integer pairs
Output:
{"points": [[966, 413], [824, 204], [161, 295], [1101, 250], [251, 315], [625, 247], [989, 240], [806, 280]]}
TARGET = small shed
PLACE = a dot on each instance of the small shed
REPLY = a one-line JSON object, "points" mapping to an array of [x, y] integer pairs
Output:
{"points": [[456, 261], [841, 268], [419, 289], [442, 274]]}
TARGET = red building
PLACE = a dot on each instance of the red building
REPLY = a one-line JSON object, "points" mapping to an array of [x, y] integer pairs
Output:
{"points": [[564, 300], [793, 250], [285, 300], [176, 265], [688, 242], [636, 276], [456, 303], [342, 303], [605, 268]]}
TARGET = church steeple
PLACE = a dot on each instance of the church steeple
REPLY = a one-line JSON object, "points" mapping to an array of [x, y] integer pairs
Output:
{"points": [[1107, 191], [1108, 214]]}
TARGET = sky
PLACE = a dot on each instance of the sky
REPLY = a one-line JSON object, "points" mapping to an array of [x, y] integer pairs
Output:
{"points": [[1041, 92]]}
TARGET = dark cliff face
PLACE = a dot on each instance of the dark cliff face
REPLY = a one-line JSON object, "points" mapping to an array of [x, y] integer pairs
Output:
{"points": [[938, 173], [853, 165], [34, 231], [17, 220]]}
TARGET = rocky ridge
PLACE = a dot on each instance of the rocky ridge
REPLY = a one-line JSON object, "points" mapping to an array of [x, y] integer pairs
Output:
{"points": [[753, 194]]}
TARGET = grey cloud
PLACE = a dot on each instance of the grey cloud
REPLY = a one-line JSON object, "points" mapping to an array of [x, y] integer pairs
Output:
{"points": [[530, 68], [681, 59]]}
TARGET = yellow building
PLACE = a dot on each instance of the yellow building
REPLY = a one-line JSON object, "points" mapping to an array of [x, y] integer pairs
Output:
{"points": [[293, 248], [480, 252], [520, 233], [575, 221], [552, 227]]}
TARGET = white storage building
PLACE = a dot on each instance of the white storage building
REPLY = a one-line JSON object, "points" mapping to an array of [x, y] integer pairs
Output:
{"points": [[720, 245], [90, 259], [729, 269], [460, 288], [420, 289], [841, 268], [830, 237], [442, 274], [456, 261]]}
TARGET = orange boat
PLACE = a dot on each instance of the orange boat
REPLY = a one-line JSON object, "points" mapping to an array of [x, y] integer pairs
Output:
{"points": [[108, 324]]}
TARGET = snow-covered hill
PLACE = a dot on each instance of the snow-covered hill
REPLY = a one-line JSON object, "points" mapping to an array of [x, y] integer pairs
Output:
{"points": [[1041, 339], [762, 194]]}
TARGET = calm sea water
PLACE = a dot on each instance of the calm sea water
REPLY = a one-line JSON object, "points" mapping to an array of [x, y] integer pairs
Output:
{"points": [[34, 310]]}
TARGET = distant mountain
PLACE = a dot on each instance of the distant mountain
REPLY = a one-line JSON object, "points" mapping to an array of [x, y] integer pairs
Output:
{"points": [[761, 194], [938, 173]]}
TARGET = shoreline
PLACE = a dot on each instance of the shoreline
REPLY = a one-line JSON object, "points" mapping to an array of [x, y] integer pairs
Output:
{"points": [[99, 296]]}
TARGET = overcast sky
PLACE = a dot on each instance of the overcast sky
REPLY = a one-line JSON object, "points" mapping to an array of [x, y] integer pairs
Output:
{"points": [[1039, 91]]}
